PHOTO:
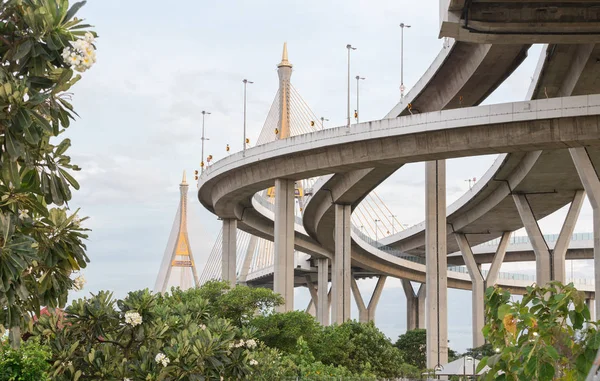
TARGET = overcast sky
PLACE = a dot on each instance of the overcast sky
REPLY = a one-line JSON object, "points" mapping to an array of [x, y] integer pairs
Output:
{"points": [[160, 65]]}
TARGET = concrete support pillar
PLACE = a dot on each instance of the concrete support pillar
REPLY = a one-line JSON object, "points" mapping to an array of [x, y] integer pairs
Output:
{"points": [[591, 184], [322, 291], [367, 313], [412, 310], [314, 298], [436, 263], [540, 248], [372, 308], [228, 260], [492, 276], [341, 265], [283, 283], [478, 291], [363, 314], [559, 254], [248, 260]]}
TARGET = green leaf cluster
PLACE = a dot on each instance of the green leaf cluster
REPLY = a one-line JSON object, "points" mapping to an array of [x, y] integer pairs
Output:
{"points": [[93, 339], [547, 335], [28, 363], [41, 243]]}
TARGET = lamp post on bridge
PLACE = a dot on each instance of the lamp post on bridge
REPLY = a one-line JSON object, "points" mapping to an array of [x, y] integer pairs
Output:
{"points": [[349, 47], [204, 113], [393, 216], [358, 78], [323, 119], [376, 233], [246, 82], [402, 26]]}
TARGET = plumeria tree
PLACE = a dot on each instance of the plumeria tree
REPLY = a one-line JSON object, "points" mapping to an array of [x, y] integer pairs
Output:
{"points": [[43, 46], [146, 337]]}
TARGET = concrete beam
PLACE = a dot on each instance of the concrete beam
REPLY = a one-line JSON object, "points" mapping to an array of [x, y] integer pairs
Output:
{"points": [[590, 305], [228, 259], [559, 253], [341, 273], [478, 291], [311, 309], [283, 282], [436, 263], [248, 260], [322, 291], [591, 184], [492, 276], [540, 248], [312, 289]]}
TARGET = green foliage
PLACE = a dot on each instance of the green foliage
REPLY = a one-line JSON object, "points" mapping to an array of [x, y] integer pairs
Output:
{"points": [[412, 345], [28, 363], [40, 243], [282, 330], [482, 351], [359, 347], [145, 337], [545, 336], [238, 304]]}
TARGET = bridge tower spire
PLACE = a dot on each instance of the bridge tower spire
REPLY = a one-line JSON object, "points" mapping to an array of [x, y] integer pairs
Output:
{"points": [[284, 70], [178, 268]]}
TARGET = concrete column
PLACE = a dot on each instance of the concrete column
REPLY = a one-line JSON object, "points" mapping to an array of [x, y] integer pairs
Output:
{"points": [[478, 291], [559, 254], [412, 310], [311, 309], [312, 289], [228, 259], [341, 265], [591, 184], [322, 291], [283, 283], [372, 308], [421, 294], [363, 314], [367, 313], [436, 263], [248, 260], [492, 276], [540, 248]]}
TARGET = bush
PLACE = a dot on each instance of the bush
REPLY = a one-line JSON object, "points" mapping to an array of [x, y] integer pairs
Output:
{"points": [[28, 363], [282, 330], [359, 347], [146, 337]]}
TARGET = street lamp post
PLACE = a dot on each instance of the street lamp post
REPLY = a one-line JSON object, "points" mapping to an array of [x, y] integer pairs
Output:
{"points": [[402, 26], [376, 232], [246, 82], [349, 47], [358, 78], [204, 113], [323, 119], [393, 217]]}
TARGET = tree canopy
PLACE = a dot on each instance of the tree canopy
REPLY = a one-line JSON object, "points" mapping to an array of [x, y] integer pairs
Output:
{"points": [[42, 45]]}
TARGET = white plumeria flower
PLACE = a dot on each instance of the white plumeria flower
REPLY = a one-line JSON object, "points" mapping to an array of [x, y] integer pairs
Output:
{"points": [[89, 38], [162, 359], [202, 327], [253, 362], [133, 318], [251, 344], [535, 334], [79, 282], [23, 214]]}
